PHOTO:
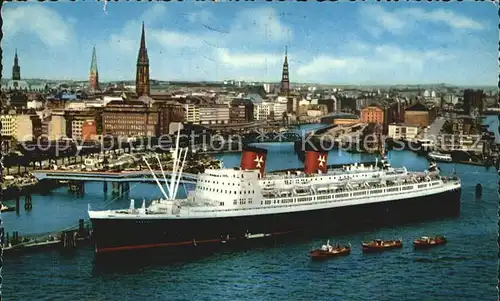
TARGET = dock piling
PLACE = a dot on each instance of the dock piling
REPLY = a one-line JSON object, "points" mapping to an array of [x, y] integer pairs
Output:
{"points": [[77, 187], [18, 201], [28, 205], [81, 228], [68, 239]]}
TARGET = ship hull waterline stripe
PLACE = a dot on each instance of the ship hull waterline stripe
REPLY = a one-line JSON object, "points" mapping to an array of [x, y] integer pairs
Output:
{"points": [[112, 234], [182, 243]]}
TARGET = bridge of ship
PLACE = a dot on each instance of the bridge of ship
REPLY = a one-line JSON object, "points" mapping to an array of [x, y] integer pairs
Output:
{"points": [[133, 176]]}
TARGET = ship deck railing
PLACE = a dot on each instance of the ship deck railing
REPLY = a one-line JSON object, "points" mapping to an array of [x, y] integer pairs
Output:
{"points": [[336, 197], [375, 182], [394, 171], [346, 194], [333, 196]]}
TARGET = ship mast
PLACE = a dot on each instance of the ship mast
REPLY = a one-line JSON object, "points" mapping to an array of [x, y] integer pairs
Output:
{"points": [[163, 174], [174, 194], [178, 155], [175, 157], [156, 179]]}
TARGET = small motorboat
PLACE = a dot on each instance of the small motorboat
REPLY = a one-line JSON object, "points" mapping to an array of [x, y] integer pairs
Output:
{"points": [[437, 156], [7, 209], [329, 251], [379, 245], [427, 242]]}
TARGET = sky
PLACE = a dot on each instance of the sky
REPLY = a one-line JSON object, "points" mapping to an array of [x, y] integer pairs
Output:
{"points": [[328, 43]]}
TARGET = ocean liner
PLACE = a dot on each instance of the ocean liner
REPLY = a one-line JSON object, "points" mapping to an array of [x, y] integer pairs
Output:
{"points": [[231, 205]]}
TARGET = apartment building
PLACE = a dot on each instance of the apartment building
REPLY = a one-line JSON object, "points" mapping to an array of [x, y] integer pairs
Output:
{"points": [[403, 131], [214, 114], [9, 125], [192, 112]]}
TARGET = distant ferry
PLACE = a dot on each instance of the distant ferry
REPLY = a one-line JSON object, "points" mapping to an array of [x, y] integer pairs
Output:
{"points": [[440, 157], [231, 205]]}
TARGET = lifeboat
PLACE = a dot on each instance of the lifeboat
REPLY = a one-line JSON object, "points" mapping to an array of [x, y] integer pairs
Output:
{"points": [[427, 242], [379, 245], [329, 251]]}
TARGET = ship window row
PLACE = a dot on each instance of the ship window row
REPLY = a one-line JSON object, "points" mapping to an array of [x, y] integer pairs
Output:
{"points": [[326, 197], [204, 188], [217, 182], [359, 193], [269, 202], [422, 185]]}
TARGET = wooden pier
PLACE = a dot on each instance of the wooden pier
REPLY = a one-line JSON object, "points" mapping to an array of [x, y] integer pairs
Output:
{"points": [[64, 241]]}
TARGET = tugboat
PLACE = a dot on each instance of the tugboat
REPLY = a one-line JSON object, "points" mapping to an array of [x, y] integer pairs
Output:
{"points": [[427, 242], [379, 245], [329, 251]]}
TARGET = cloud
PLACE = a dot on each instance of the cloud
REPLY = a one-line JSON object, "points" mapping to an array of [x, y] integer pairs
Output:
{"points": [[371, 60], [155, 12], [201, 16], [38, 20], [400, 21], [174, 39], [323, 65], [261, 23], [247, 60], [250, 28], [249, 46], [447, 17], [127, 40]]}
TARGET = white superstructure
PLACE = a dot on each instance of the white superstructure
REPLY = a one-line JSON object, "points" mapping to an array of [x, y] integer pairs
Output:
{"points": [[242, 192]]}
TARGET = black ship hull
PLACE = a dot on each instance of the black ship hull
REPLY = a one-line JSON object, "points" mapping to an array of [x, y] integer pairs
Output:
{"points": [[113, 235]]}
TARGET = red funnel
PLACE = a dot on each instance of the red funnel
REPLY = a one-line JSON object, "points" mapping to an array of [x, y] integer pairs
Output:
{"points": [[254, 158], [315, 161]]}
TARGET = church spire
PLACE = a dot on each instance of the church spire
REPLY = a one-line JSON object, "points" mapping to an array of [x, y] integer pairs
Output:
{"points": [[93, 64], [285, 81], [142, 74], [94, 73], [143, 37], [16, 69]]}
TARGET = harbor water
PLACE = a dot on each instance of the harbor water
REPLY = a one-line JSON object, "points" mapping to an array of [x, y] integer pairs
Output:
{"points": [[463, 269]]}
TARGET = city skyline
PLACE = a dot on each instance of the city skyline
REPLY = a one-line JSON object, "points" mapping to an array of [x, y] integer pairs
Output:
{"points": [[455, 43]]}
